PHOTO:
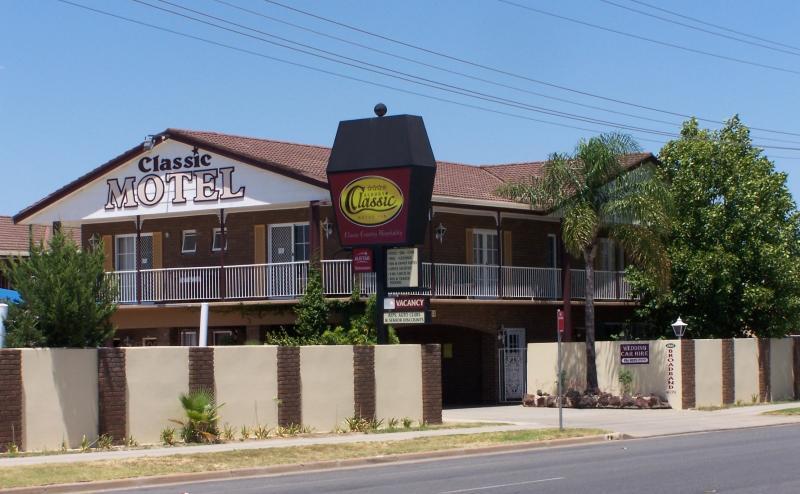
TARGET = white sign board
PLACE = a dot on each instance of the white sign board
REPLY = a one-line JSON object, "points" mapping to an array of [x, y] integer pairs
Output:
{"points": [[403, 318], [402, 267]]}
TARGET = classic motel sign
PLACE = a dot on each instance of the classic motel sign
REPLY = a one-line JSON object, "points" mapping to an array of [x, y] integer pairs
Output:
{"points": [[381, 173]]}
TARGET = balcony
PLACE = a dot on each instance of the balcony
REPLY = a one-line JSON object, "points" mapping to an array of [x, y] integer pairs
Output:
{"points": [[288, 281]]}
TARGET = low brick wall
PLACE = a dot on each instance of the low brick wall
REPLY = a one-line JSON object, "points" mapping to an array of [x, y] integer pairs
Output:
{"points": [[706, 372], [50, 396], [11, 431]]}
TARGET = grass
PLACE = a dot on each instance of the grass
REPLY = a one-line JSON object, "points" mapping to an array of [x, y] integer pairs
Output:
{"points": [[739, 404], [785, 411], [38, 475]]}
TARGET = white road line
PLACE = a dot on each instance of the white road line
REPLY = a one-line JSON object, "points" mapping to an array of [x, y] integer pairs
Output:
{"points": [[496, 486]]}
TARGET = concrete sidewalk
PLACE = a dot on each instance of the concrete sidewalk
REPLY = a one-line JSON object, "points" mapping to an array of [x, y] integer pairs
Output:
{"points": [[636, 423]]}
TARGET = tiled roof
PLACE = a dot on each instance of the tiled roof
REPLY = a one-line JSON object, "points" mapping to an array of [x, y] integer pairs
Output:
{"points": [[452, 179], [15, 239], [307, 162]]}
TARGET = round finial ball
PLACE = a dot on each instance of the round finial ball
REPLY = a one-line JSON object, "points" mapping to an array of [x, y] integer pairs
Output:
{"points": [[380, 109]]}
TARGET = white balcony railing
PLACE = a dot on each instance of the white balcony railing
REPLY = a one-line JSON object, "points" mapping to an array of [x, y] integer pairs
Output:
{"points": [[608, 285], [289, 280]]}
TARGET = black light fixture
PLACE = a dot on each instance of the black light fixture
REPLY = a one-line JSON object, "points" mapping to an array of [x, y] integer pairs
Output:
{"points": [[440, 232], [327, 227]]}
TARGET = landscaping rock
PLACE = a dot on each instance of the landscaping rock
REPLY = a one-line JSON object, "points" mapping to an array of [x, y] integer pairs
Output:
{"points": [[529, 400]]}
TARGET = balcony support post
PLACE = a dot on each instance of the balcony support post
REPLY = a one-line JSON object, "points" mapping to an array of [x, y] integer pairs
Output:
{"points": [[224, 242], [566, 287], [138, 259], [500, 247], [431, 245], [380, 293], [316, 255]]}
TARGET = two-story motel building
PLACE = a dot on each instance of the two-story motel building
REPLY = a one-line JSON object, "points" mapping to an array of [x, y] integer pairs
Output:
{"points": [[189, 217]]}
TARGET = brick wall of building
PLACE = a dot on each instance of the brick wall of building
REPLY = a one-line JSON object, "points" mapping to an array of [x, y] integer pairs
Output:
{"points": [[11, 399], [688, 397], [112, 393], [364, 381], [289, 386]]}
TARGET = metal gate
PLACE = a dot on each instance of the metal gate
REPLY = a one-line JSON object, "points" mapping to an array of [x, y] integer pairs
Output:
{"points": [[512, 363]]}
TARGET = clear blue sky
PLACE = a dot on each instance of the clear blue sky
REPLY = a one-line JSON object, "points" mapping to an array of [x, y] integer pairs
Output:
{"points": [[77, 88]]}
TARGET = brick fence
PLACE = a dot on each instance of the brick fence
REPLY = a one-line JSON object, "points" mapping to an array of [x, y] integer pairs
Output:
{"points": [[10, 399]]}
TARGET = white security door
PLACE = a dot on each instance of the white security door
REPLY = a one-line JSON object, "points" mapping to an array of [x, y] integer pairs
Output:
{"points": [[125, 263], [288, 251], [512, 364]]}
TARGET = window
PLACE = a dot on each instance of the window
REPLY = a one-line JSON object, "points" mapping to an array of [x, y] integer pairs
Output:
{"points": [[149, 341], [223, 338], [610, 257], [302, 243], [189, 242], [552, 251], [485, 248], [125, 252], [215, 246], [188, 338]]}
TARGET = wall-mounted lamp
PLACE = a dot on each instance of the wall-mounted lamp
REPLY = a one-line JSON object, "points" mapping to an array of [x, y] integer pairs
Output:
{"points": [[327, 227], [439, 233]]}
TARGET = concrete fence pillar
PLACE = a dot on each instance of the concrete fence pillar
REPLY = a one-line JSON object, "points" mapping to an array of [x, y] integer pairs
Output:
{"points": [[112, 393], [11, 409], [796, 367], [201, 369], [728, 372], [688, 392], [432, 384], [364, 381], [764, 371], [289, 386]]}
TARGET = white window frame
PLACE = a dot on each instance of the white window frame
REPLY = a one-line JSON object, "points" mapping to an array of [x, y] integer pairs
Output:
{"points": [[220, 332], [184, 233], [193, 333], [294, 253], [135, 248], [214, 247], [485, 233]]}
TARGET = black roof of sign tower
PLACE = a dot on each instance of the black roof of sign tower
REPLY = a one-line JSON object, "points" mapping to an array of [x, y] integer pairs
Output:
{"points": [[382, 143]]}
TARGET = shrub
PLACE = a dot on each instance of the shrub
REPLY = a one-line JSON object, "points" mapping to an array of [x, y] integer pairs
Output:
{"points": [[168, 436], [200, 424], [626, 381]]}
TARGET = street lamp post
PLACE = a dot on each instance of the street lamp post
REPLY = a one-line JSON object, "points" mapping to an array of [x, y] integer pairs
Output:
{"points": [[679, 328]]}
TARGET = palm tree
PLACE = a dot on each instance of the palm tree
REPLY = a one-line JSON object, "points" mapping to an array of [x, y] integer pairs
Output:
{"points": [[596, 193]]}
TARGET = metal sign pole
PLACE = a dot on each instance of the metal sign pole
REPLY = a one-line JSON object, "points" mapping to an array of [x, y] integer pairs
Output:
{"points": [[559, 330], [380, 294]]}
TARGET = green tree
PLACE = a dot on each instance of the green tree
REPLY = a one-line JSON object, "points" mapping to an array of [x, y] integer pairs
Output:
{"points": [[735, 239], [67, 301], [596, 196], [312, 308]]}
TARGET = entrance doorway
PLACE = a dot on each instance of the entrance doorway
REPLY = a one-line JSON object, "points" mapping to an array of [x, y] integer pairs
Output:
{"points": [[125, 262], [512, 361]]}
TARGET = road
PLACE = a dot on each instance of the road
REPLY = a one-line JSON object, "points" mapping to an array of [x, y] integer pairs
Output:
{"points": [[755, 460]]}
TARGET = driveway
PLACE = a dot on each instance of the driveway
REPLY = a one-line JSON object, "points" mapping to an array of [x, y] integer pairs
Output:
{"points": [[636, 423]]}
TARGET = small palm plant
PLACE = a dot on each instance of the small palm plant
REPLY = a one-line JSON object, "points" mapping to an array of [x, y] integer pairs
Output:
{"points": [[201, 417]]}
